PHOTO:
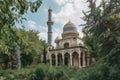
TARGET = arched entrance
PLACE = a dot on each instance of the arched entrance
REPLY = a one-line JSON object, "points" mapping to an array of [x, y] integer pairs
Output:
{"points": [[67, 59], [75, 59], [53, 59], [81, 59], [60, 60]]}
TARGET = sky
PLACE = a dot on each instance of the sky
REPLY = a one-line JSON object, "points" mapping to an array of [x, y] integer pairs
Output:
{"points": [[62, 12]]}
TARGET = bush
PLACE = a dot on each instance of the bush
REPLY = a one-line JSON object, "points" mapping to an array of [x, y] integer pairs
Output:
{"points": [[98, 71]]}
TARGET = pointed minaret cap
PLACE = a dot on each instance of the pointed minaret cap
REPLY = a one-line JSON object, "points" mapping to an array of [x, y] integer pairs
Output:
{"points": [[49, 9]]}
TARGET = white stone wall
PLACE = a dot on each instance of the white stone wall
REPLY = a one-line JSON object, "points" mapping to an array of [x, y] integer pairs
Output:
{"points": [[73, 41]]}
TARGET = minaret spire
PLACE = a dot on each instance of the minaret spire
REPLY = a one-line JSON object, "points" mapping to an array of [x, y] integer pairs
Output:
{"points": [[49, 23]]}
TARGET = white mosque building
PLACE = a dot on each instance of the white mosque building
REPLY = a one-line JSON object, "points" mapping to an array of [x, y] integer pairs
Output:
{"points": [[69, 49]]}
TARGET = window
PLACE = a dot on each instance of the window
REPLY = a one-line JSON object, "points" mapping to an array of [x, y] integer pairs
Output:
{"points": [[74, 38], [66, 45], [80, 44]]}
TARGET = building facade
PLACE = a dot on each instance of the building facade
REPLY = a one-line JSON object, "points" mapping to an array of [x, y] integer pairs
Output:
{"points": [[69, 49]]}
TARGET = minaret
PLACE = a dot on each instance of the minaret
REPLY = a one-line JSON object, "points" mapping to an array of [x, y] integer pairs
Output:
{"points": [[49, 23]]}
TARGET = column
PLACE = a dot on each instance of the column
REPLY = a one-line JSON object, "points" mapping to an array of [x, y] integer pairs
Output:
{"points": [[56, 60], [83, 59], [70, 59], [63, 58], [80, 60]]}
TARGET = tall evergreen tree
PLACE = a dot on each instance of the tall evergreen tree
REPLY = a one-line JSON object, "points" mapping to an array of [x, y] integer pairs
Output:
{"points": [[103, 25]]}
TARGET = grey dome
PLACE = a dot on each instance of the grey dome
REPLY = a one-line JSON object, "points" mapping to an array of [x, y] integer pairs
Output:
{"points": [[69, 30], [69, 27]]}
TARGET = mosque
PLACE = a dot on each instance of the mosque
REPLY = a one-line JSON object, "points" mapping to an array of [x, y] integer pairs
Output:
{"points": [[69, 49]]}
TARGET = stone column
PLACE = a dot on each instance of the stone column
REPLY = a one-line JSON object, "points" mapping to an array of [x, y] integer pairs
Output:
{"points": [[84, 59], [70, 59], [80, 60], [56, 59], [63, 58]]}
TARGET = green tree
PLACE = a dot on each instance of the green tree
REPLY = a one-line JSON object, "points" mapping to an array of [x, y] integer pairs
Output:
{"points": [[12, 11], [91, 45], [102, 29], [103, 25], [31, 46], [44, 51]]}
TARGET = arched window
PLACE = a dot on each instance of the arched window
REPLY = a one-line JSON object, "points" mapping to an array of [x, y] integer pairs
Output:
{"points": [[66, 45], [80, 44]]}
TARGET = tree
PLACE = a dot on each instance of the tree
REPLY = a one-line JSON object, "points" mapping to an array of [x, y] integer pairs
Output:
{"points": [[44, 51], [31, 47], [12, 11], [103, 24], [91, 45]]}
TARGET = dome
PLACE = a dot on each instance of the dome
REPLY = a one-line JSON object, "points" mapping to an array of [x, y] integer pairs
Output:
{"points": [[69, 30], [57, 39], [69, 27]]}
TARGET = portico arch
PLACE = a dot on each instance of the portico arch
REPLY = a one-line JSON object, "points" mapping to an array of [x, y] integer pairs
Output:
{"points": [[81, 59], [60, 60], [53, 59], [75, 59], [67, 59]]}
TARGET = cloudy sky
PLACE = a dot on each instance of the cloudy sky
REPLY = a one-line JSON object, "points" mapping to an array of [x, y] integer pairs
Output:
{"points": [[63, 11]]}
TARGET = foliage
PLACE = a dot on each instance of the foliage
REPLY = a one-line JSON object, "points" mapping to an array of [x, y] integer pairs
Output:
{"points": [[31, 47], [40, 72], [102, 26], [12, 11], [92, 47], [44, 51], [102, 29], [99, 71]]}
